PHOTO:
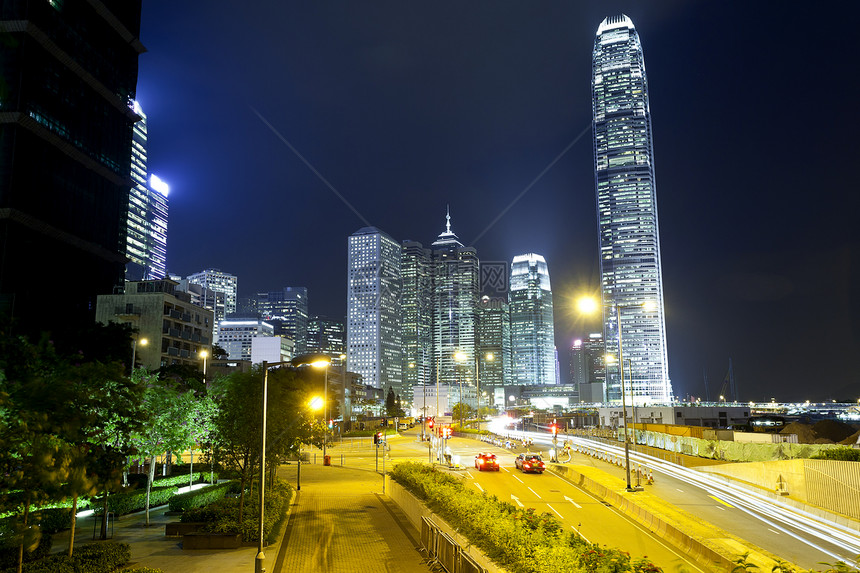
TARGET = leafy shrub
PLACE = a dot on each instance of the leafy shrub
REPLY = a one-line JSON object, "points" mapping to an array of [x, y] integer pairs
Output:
{"points": [[222, 516], [122, 503], [9, 552], [55, 520], [94, 558], [199, 497], [182, 480], [841, 454], [519, 539]]}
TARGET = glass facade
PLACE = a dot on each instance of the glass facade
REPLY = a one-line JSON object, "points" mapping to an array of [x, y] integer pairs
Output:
{"points": [[630, 269], [373, 344], [146, 233], [326, 336], [287, 309], [417, 317], [494, 339], [532, 330], [215, 280]]}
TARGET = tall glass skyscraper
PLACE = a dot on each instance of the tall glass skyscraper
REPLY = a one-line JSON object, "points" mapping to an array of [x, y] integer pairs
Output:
{"points": [[417, 315], [373, 343], [532, 331], [630, 270], [215, 280], [146, 223]]}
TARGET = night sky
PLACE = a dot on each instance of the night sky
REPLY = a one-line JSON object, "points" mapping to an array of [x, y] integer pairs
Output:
{"points": [[405, 107]]}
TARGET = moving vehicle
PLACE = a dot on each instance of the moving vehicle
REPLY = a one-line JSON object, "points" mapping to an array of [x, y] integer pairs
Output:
{"points": [[486, 462], [529, 463]]}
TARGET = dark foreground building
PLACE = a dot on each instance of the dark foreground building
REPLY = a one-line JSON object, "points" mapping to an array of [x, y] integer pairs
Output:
{"points": [[68, 72]]}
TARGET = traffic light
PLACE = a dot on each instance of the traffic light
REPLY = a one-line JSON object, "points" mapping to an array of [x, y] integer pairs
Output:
{"points": [[377, 437], [330, 424], [430, 423], [446, 432], [554, 429]]}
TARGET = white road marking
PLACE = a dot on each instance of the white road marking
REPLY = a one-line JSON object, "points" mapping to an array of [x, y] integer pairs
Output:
{"points": [[557, 513], [581, 535], [534, 492], [506, 469], [573, 502], [516, 499], [518, 479], [720, 508], [769, 529], [681, 490], [477, 485]]}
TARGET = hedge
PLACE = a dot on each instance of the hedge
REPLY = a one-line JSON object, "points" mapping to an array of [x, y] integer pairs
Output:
{"points": [[9, 551], [94, 558], [123, 503], [200, 497], [222, 516], [182, 480], [519, 540]]}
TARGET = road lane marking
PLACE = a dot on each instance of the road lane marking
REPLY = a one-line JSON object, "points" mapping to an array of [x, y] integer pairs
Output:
{"points": [[477, 485], [769, 529], [573, 502], [518, 479], [534, 492], [581, 535], [507, 470], [721, 501], [681, 490], [516, 499], [720, 508], [557, 513]]}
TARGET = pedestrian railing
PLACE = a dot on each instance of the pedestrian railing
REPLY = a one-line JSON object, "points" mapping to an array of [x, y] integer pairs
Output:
{"points": [[442, 549]]}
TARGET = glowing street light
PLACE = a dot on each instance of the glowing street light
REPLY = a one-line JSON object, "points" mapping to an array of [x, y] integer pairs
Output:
{"points": [[143, 342], [204, 355], [324, 363]]}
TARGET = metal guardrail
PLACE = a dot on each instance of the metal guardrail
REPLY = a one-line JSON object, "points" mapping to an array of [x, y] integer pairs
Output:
{"points": [[442, 549]]}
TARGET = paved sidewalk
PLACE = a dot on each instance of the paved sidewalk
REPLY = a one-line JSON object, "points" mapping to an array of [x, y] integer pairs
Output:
{"points": [[342, 522], [339, 521]]}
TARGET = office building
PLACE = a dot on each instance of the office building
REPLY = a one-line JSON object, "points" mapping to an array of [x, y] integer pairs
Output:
{"points": [[494, 346], [215, 280], [272, 349], [454, 297], [532, 330], [175, 330], [146, 221], [326, 336], [630, 267], [287, 311], [69, 75], [236, 336], [373, 343], [416, 314]]}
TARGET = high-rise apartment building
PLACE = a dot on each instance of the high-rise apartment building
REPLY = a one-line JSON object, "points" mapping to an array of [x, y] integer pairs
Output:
{"points": [[69, 75], [146, 222], [287, 310], [416, 314], [494, 346], [532, 329], [326, 336], [218, 281], [373, 343], [630, 268], [454, 296]]}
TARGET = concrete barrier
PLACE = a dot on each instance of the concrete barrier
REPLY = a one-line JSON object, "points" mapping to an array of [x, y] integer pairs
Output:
{"points": [[211, 541], [178, 529]]}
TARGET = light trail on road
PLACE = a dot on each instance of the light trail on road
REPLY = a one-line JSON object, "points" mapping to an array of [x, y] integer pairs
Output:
{"points": [[829, 538]]}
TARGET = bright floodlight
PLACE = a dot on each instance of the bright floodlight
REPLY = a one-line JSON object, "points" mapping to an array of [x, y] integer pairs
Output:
{"points": [[649, 305], [460, 356], [316, 403], [143, 341], [320, 363], [158, 185], [586, 305], [491, 356]]}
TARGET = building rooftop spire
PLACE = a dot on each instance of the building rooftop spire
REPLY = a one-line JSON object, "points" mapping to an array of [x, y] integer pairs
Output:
{"points": [[448, 219], [448, 236]]}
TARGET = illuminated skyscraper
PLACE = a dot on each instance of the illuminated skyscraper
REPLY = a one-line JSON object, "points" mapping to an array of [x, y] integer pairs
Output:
{"points": [[373, 344], [287, 310], [532, 331], [146, 224], [326, 336], [417, 316], [455, 269], [215, 280], [630, 269]]}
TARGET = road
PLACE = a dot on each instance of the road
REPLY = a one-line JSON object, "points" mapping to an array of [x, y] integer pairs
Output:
{"points": [[797, 537], [577, 509]]}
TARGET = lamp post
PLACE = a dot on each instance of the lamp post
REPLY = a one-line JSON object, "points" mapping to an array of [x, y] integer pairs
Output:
{"points": [[261, 556], [490, 357], [460, 357], [143, 342], [324, 363], [204, 355], [588, 305]]}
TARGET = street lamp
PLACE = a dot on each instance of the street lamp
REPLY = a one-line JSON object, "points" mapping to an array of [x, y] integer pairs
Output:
{"points": [[143, 342], [204, 355], [489, 356], [460, 357], [324, 363], [588, 305], [261, 556]]}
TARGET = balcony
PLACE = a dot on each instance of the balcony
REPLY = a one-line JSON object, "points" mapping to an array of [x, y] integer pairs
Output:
{"points": [[183, 353], [186, 334], [175, 332], [175, 314], [171, 351]]}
